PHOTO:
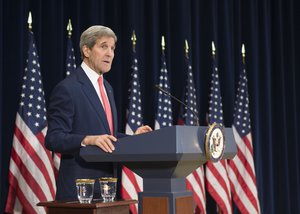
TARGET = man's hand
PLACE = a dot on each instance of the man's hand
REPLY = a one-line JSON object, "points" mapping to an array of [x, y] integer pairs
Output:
{"points": [[143, 129], [102, 141]]}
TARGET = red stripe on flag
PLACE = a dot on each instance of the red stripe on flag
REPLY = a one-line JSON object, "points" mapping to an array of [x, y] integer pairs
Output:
{"points": [[238, 202], [217, 197], [248, 144], [244, 186], [218, 176], [125, 195], [199, 206], [41, 139], [242, 176], [136, 188], [56, 157], [11, 197], [13, 192], [30, 180], [244, 160], [36, 159], [132, 178], [197, 178], [199, 196]]}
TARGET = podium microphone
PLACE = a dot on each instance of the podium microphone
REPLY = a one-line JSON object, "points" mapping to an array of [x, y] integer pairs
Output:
{"points": [[175, 98]]}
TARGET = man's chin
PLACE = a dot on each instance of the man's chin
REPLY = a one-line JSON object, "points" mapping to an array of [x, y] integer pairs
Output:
{"points": [[106, 69]]}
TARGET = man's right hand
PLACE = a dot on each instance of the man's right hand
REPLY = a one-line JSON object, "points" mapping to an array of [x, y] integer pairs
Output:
{"points": [[105, 142]]}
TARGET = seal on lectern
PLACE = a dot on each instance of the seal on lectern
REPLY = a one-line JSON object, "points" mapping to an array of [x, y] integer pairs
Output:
{"points": [[214, 142]]}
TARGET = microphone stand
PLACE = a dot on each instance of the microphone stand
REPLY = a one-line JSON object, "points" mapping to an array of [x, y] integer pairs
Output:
{"points": [[175, 98]]}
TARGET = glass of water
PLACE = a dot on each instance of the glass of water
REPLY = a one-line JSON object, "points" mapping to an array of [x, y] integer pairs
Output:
{"points": [[85, 190], [108, 186]]}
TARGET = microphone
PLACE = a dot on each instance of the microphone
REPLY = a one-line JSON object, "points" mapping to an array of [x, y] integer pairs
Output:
{"points": [[175, 98]]}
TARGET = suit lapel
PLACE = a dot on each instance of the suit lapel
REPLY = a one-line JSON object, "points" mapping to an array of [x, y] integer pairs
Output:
{"points": [[92, 96]]}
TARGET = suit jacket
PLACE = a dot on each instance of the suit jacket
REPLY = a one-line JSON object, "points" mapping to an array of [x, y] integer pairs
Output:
{"points": [[75, 111]]}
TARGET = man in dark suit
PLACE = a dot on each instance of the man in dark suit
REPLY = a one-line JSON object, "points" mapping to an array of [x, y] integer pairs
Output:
{"points": [[82, 112]]}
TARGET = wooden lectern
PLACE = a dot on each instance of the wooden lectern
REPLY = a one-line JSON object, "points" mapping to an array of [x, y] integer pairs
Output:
{"points": [[74, 207], [163, 158]]}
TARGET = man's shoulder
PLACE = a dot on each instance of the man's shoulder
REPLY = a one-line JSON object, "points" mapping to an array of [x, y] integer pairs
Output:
{"points": [[75, 74], [70, 82], [73, 77]]}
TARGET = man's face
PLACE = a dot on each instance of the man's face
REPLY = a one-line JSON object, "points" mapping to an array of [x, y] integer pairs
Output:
{"points": [[100, 56]]}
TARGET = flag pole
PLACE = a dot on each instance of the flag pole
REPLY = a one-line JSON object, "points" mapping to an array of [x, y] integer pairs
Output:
{"points": [[163, 45], [213, 48], [186, 48], [243, 53], [70, 57], [133, 39], [29, 21], [69, 28]]}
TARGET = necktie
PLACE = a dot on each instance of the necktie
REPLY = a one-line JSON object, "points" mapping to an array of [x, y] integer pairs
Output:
{"points": [[106, 105]]}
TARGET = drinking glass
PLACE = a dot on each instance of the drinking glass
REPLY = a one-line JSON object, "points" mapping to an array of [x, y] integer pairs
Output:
{"points": [[85, 190], [108, 186]]}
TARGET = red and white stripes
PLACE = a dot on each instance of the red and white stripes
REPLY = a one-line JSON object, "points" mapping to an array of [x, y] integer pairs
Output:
{"points": [[195, 183], [242, 176], [31, 176], [217, 184]]}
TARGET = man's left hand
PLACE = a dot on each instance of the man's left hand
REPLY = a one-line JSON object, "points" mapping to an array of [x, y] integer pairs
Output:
{"points": [[143, 129]]}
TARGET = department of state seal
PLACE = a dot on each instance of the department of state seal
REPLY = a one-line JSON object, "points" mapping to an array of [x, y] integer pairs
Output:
{"points": [[214, 142]]}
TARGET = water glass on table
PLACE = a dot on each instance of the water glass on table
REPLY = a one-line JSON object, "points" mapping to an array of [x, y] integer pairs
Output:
{"points": [[85, 190], [108, 186]]}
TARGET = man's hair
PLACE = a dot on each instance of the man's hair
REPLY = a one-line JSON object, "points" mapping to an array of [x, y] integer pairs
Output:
{"points": [[90, 36]]}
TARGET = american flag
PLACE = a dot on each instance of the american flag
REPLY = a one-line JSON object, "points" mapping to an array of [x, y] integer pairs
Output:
{"points": [[31, 176], [131, 182], [241, 169], [70, 68], [70, 59], [195, 180], [164, 110], [217, 181]]}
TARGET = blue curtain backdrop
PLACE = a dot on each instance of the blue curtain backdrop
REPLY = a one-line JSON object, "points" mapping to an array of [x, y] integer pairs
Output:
{"points": [[269, 28]]}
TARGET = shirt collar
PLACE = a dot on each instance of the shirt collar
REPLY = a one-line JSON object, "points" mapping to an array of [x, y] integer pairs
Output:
{"points": [[92, 75]]}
